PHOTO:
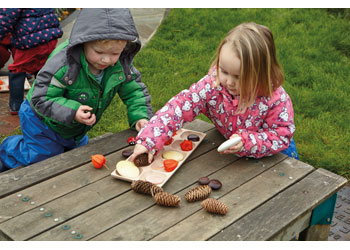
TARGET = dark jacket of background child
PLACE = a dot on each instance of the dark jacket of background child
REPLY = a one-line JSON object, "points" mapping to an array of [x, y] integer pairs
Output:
{"points": [[29, 27]]}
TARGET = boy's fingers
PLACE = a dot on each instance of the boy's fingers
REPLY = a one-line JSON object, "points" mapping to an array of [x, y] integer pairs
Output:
{"points": [[85, 107], [86, 115], [92, 117], [91, 120]]}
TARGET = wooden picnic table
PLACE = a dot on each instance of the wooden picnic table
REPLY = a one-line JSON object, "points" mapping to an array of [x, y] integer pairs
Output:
{"points": [[273, 198]]}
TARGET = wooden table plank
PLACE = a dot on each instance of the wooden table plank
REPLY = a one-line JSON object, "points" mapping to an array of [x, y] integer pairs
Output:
{"points": [[19, 178], [12, 205], [111, 213], [289, 207], [316, 233], [79, 189], [199, 125], [147, 224], [202, 225], [22, 177], [63, 209], [93, 194]]}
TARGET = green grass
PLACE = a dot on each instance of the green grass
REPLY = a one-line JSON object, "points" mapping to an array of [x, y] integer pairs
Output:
{"points": [[313, 47]]}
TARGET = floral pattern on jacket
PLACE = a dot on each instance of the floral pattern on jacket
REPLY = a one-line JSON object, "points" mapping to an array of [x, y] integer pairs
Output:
{"points": [[266, 127]]}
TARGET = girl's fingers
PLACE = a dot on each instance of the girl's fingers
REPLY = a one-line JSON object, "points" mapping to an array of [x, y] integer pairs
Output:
{"points": [[150, 158], [138, 149], [232, 150]]}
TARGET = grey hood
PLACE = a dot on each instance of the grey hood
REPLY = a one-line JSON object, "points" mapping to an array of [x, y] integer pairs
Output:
{"points": [[99, 24]]}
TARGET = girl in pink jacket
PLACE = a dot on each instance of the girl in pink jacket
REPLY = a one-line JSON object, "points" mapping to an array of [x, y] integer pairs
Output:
{"points": [[241, 94]]}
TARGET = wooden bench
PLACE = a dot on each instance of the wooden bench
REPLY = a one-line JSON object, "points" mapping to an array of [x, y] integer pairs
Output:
{"points": [[273, 198]]}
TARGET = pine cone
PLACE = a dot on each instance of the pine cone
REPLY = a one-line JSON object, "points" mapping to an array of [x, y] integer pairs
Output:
{"points": [[145, 187], [155, 189], [215, 206], [198, 193], [141, 160], [166, 199]]}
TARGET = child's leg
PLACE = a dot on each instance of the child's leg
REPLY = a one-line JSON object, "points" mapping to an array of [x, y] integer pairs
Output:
{"points": [[37, 143], [2, 167], [82, 142], [291, 151], [16, 85]]}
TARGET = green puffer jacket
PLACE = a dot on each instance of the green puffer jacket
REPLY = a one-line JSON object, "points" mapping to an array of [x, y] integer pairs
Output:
{"points": [[65, 82]]}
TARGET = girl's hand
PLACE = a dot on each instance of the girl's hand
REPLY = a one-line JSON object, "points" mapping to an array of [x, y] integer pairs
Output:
{"points": [[234, 149], [84, 116], [138, 150], [140, 123]]}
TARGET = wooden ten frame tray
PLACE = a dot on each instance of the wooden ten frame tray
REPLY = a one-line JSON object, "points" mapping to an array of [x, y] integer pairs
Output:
{"points": [[156, 169]]}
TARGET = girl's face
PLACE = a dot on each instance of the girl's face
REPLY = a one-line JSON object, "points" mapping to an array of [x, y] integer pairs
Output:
{"points": [[100, 56], [229, 69]]}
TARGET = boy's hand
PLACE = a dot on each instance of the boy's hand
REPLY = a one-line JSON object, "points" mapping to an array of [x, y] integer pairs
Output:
{"points": [[140, 123], [234, 149], [138, 150], [83, 115]]}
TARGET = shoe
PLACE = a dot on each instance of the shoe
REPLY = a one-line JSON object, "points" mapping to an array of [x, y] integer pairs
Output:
{"points": [[13, 112], [16, 84], [13, 109]]}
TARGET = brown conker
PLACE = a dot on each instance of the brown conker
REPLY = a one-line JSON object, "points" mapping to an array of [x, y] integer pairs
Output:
{"points": [[215, 184], [203, 181], [127, 152], [193, 137]]}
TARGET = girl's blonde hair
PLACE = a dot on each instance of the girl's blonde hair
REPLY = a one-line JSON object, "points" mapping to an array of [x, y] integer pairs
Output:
{"points": [[260, 72]]}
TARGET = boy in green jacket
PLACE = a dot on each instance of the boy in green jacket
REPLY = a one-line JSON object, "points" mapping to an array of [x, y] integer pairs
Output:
{"points": [[76, 85]]}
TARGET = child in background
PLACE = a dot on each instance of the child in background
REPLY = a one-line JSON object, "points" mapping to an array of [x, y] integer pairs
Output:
{"points": [[76, 85], [34, 34], [241, 95], [5, 46]]}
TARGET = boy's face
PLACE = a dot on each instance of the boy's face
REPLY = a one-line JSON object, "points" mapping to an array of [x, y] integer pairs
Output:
{"points": [[101, 55]]}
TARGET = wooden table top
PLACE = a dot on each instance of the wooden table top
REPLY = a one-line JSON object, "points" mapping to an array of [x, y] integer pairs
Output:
{"points": [[71, 200]]}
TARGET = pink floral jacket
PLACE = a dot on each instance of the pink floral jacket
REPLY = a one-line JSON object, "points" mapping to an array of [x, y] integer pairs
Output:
{"points": [[265, 128]]}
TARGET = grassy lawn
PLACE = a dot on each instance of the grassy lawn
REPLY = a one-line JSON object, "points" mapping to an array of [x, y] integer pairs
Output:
{"points": [[313, 47]]}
